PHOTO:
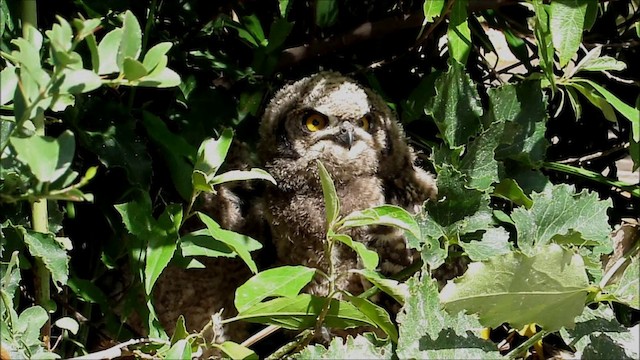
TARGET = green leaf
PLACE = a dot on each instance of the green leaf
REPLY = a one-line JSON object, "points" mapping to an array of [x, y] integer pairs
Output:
{"points": [[627, 289], [212, 153], [634, 150], [510, 190], [432, 9], [559, 213], [108, 52], [240, 175], [78, 81], [456, 108], [180, 350], [54, 257], [495, 241], [280, 30], [236, 351], [87, 291], [567, 25], [415, 104], [458, 33], [237, 242], [395, 289], [8, 84], [597, 333], [365, 346], [154, 55], [479, 162], [379, 316], [29, 323], [131, 42], [597, 101], [284, 6], [133, 69], [69, 324], [331, 202], [284, 281], [389, 215], [369, 258], [201, 243], [592, 61], [301, 312], [542, 32], [47, 157], [591, 14], [180, 331], [163, 79], [548, 288], [326, 13], [428, 332], [85, 27]]}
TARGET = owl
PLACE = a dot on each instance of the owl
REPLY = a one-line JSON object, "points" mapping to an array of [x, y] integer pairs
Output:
{"points": [[351, 130]]}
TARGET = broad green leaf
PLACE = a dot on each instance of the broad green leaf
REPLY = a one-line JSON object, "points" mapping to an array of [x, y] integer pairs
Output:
{"points": [[237, 242], [133, 69], [542, 32], [395, 289], [326, 12], [548, 288], [597, 101], [379, 316], [86, 27], [239, 175], [201, 243], [162, 244], [131, 42], [456, 108], [48, 158], [432, 9], [627, 289], [163, 79], [280, 30], [428, 332], [10, 277], [389, 215], [364, 346], [567, 25], [331, 202], [598, 335], [68, 323], [632, 114], [78, 81], [180, 331], [559, 213], [29, 324], [108, 52], [479, 163], [510, 190], [252, 25], [517, 46], [369, 258], [237, 351], [284, 6], [212, 153], [284, 281], [54, 257], [181, 350], [153, 56], [458, 33], [301, 312], [495, 241], [592, 61], [8, 84]]}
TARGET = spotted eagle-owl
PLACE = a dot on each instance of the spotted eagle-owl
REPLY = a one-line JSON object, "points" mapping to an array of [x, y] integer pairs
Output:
{"points": [[351, 130]]}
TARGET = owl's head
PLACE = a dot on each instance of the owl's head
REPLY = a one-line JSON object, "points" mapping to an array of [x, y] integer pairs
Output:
{"points": [[326, 117]]}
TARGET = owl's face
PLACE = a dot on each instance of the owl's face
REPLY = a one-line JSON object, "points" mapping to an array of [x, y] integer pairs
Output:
{"points": [[326, 117]]}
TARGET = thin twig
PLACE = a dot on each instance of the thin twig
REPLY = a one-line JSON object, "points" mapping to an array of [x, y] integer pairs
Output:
{"points": [[595, 155], [260, 335], [116, 350]]}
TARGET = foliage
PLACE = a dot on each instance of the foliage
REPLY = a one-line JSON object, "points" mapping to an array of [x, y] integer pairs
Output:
{"points": [[117, 120]]}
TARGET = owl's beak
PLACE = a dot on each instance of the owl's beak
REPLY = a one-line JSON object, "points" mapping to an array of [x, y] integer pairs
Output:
{"points": [[345, 136]]}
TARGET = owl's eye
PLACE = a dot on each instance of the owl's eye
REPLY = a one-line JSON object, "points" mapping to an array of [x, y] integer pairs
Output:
{"points": [[315, 122], [365, 122]]}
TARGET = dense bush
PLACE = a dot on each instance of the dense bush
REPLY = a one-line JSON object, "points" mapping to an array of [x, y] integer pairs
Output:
{"points": [[116, 116]]}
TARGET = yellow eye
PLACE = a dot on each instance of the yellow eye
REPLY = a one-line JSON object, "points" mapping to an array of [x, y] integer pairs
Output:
{"points": [[365, 122], [315, 122]]}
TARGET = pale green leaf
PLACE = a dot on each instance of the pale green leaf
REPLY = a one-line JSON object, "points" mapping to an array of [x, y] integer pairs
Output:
{"points": [[395, 289], [509, 189], [133, 69], [108, 52], [163, 79], [181, 350], [239, 175], [237, 242], [301, 312], [567, 25], [365, 346], [389, 215], [48, 158], [542, 32], [180, 331], [432, 9], [68, 323], [78, 81], [212, 153], [86, 27], [428, 332], [131, 42], [236, 351], [8, 84], [369, 258], [495, 241], [458, 33], [153, 56], [29, 323], [561, 212], [284, 281], [284, 6], [331, 202], [548, 288], [379, 316], [54, 257], [201, 243], [627, 289], [597, 100]]}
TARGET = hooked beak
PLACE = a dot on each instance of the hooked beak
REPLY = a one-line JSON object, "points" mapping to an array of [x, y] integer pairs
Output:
{"points": [[345, 136]]}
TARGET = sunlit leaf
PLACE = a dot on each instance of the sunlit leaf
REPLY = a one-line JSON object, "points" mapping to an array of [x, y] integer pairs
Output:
{"points": [[331, 202], [48, 158]]}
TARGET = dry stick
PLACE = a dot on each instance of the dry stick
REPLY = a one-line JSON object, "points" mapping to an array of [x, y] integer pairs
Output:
{"points": [[595, 155], [116, 350], [260, 335]]}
